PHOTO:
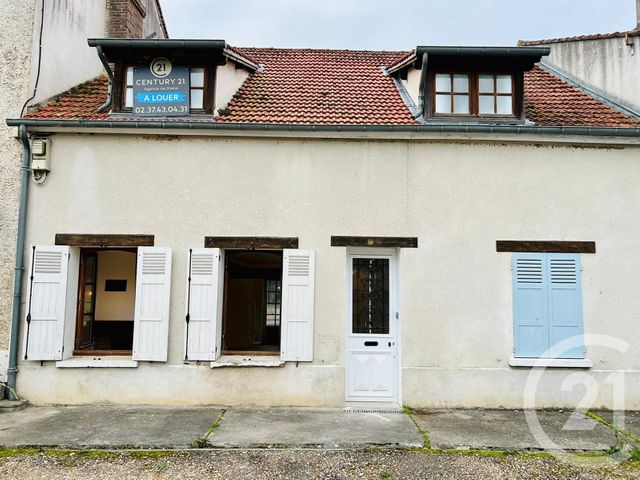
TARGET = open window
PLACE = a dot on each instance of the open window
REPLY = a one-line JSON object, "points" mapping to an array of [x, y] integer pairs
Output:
{"points": [[250, 302], [106, 302], [252, 296], [98, 301]]}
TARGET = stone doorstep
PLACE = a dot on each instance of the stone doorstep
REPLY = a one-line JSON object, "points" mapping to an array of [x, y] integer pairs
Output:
{"points": [[8, 406]]}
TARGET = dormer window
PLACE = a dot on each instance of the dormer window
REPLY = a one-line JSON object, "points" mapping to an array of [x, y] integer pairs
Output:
{"points": [[472, 94], [467, 85]]}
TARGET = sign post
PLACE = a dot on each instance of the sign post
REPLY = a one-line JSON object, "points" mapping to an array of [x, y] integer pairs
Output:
{"points": [[161, 89]]}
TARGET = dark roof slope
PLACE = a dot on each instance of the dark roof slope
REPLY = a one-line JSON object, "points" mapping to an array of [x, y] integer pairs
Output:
{"points": [[329, 87]]}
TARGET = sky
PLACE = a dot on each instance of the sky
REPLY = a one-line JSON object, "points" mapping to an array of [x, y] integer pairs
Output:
{"points": [[391, 24]]}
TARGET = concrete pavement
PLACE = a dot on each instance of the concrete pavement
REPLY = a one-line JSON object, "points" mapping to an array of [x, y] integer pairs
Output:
{"points": [[235, 427]]}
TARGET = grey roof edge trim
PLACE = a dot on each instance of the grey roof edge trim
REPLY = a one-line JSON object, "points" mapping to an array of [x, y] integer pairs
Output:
{"points": [[282, 127], [589, 91], [406, 97], [185, 44], [239, 59], [527, 52]]}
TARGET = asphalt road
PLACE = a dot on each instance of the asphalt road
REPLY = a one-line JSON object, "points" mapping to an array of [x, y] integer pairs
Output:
{"points": [[307, 464]]}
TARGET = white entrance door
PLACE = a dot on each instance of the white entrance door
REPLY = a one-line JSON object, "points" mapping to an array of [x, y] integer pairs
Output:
{"points": [[372, 355]]}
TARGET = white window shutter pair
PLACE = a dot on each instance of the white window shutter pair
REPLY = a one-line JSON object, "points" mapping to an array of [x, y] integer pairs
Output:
{"points": [[48, 312], [204, 305]]}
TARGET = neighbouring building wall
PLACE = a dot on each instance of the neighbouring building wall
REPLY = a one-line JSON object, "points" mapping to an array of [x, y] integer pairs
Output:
{"points": [[455, 289], [609, 66], [15, 55], [67, 25], [154, 25], [135, 19]]}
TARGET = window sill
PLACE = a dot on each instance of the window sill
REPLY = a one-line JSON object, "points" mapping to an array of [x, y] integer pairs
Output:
{"points": [[97, 362], [242, 361], [551, 362]]}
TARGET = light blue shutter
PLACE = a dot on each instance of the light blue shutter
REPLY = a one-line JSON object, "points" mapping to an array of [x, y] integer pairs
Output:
{"points": [[530, 325], [565, 304]]}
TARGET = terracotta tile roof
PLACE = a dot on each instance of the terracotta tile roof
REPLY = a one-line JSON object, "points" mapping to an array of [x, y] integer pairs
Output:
{"points": [[343, 87], [551, 101], [579, 38], [319, 87]]}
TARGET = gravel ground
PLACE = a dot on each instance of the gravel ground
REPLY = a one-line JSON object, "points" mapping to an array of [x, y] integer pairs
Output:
{"points": [[305, 464]]}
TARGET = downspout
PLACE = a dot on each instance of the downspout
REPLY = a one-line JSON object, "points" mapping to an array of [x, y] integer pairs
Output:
{"points": [[103, 59], [19, 269], [423, 81]]}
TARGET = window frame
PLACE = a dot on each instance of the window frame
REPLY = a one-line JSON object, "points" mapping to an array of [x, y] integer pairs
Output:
{"points": [[474, 95]]}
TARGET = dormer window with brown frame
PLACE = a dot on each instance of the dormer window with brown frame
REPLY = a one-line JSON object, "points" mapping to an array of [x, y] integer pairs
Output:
{"points": [[164, 78], [469, 85], [473, 94]]}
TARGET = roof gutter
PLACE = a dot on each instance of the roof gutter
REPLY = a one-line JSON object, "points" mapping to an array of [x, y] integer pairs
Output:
{"points": [[103, 59], [288, 127], [161, 43]]}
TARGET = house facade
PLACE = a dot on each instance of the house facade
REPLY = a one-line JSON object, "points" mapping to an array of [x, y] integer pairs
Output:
{"points": [[441, 227], [38, 40]]}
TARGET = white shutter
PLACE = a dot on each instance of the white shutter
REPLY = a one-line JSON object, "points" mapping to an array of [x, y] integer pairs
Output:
{"points": [[46, 302], [202, 304], [297, 305], [151, 318]]}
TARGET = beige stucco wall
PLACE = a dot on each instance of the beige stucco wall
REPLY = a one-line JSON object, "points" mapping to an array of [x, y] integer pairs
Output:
{"points": [[608, 66], [455, 290], [15, 51]]}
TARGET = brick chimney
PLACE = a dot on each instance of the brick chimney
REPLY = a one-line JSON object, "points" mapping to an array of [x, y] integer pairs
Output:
{"points": [[125, 18]]}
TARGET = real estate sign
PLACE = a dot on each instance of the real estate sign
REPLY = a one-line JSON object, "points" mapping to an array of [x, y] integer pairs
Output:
{"points": [[161, 89]]}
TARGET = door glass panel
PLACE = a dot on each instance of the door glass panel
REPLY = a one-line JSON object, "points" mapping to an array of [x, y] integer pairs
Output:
{"points": [[370, 296]]}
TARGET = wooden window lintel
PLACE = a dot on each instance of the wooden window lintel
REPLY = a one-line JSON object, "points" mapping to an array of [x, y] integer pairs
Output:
{"points": [[104, 240], [251, 242], [545, 246], [389, 242]]}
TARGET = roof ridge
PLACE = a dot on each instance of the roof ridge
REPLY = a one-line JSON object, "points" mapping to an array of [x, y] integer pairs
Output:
{"points": [[332, 50], [577, 38]]}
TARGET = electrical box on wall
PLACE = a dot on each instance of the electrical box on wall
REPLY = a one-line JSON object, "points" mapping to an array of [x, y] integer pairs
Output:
{"points": [[40, 154]]}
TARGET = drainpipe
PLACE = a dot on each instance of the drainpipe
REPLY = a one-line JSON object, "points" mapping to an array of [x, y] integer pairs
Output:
{"points": [[423, 81], [103, 59], [17, 284]]}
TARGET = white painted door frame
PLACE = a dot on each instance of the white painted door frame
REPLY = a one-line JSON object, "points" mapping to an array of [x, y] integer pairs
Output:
{"points": [[352, 340]]}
